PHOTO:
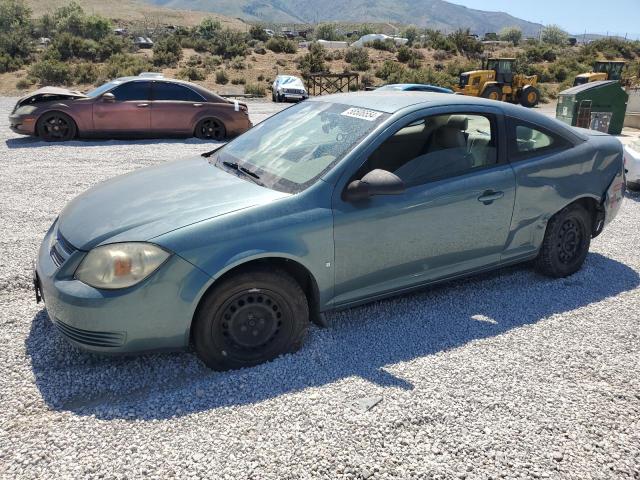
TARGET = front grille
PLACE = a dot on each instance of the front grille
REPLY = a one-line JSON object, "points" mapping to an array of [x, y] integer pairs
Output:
{"points": [[61, 249], [294, 91], [89, 337]]}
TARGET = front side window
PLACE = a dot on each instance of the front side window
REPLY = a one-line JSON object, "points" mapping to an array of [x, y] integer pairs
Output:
{"points": [[292, 149], [437, 147], [132, 91], [171, 91]]}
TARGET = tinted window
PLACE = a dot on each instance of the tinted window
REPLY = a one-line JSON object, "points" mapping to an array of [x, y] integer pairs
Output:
{"points": [[172, 91], [437, 147], [530, 140], [132, 91]]}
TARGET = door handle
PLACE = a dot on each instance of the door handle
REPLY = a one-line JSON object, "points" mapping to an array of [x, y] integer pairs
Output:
{"points": [[490, 196], [142, 105], [197, 104]]}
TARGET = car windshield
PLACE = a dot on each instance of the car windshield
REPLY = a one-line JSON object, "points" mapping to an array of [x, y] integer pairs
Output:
{"points": [[291, 150], [96, 92]]}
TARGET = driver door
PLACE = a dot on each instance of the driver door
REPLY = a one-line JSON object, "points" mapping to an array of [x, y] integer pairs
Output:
{"points": [[453, 217]]}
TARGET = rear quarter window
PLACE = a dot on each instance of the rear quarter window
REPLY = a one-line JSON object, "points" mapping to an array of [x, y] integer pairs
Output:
{"points": [[527, 140]]}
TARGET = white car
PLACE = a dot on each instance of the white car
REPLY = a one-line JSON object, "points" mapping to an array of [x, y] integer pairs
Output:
{"points": [[632, 164], [288, 87]]}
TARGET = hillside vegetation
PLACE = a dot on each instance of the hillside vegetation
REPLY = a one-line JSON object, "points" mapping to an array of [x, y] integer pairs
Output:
{"points": [[84, 51]]}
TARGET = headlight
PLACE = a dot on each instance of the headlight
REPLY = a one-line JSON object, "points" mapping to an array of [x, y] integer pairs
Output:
{"points": [[120, 265]]}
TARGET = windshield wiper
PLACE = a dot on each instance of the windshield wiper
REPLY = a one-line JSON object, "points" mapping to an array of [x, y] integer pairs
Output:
{"points": [[245, 171]]}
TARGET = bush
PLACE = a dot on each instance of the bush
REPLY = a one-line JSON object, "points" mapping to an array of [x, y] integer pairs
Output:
{"points": [[254, 89], [441, 55], [238, 63], [358, 57], [281, 45], [124, 65], [221, 77], [85, 72], [388, 69], [466, 44], [409, 56], [50, 72], [387, 45], [210, 63], [191, 73], [260, 50], [71, 46], [229, 43], [554, 35], [23, 84], [412, 35], [167, 52], [313, 61], [9, 64], [257, 33], [113, 44], [327, 31], [511, 34], [238, 81]]}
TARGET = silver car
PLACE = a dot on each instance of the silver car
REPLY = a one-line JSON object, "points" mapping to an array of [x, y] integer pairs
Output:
{"points": [[288, 87]]}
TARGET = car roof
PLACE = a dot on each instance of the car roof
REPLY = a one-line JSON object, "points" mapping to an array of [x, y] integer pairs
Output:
{"points": [[393, 101], [193, 86]]}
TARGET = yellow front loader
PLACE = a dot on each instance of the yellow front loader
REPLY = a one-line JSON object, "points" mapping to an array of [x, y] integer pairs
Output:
{"points": [[498, 82], [603, 70]]}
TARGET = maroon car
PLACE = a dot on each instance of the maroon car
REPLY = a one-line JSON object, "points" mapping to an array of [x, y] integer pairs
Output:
{"points": [[148, 105]]}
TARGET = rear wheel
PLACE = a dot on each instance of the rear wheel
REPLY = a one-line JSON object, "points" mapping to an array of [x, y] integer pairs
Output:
{"points": [[210, 129], [251, 318], [633, 186], [529, 97], [56, 127], [566, 242], [492, 93]]}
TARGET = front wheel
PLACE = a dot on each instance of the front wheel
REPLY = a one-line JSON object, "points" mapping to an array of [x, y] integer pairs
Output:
{"points": [[250, 318], [56, 127], [210, 129], [566, 242], [529, 97], [492, 92]]}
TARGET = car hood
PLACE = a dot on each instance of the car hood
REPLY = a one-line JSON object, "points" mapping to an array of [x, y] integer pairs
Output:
{"points": [[48, 94], [152, 201]]}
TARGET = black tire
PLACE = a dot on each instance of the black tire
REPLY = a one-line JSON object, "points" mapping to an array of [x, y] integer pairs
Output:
{"points": [[210, 129], [281, 98], [529, 97], [566, 242], [273, 97], [250, 318], [56, 127], [492, 92]]}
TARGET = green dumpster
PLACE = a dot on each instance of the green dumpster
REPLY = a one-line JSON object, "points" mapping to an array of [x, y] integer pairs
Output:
{"points": [[596, 105]]}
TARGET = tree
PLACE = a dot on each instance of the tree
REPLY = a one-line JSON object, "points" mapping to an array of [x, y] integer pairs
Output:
{"points": [[412, 35], [511, 34], [554, 35], [327, 31]]}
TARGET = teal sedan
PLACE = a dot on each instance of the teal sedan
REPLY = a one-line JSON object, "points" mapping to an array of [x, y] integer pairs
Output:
{"points": [[333, 202]]}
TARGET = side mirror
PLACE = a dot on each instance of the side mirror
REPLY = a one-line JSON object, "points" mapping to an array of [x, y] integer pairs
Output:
{"points": [[376, 182], [108, 97]]}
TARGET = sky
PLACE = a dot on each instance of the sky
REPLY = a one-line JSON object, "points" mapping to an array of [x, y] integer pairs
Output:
{"points": [[618, 17]]}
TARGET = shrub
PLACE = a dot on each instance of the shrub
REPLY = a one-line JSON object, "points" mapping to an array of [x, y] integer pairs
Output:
{"points": [[9, 64], [257, 33], [388, 69], [167, 52], [554, 35], [85, 72], [221, 77], [326, 31], [191, 73], [229, 43], [412, 35], [260, 77], [465, 43], [441, 55], [16, 43], [255, 89], [50, 72], [313, 60], [113, 44], [281, 45], [387, 45], [23, 84], [209, 28], [238, 63], [238, 81], [260, 50], [511, 34], [211, 62], [124, 65], [358, 57]]}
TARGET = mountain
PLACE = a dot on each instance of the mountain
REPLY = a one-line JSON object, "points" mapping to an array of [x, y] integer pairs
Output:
{"points": [[424, 13], [133, 11]]}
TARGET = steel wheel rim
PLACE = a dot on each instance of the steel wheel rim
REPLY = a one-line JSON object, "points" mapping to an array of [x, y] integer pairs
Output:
{"points": [[493, 95], [532, 97], [252, 322], [570, 240], [56, 127], [212, 129]]}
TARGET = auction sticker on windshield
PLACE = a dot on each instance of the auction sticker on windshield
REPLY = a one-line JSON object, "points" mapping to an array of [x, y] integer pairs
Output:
{"points": [[361, 113]]}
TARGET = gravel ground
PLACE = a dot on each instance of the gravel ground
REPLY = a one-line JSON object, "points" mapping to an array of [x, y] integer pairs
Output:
{"points": [[508, 375]]}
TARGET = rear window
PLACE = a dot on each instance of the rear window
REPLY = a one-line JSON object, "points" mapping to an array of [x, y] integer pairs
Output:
{"points": [[527, 140]]}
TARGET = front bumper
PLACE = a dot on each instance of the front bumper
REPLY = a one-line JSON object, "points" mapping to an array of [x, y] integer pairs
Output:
{"points": [[22, 124], [153, 315]]}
